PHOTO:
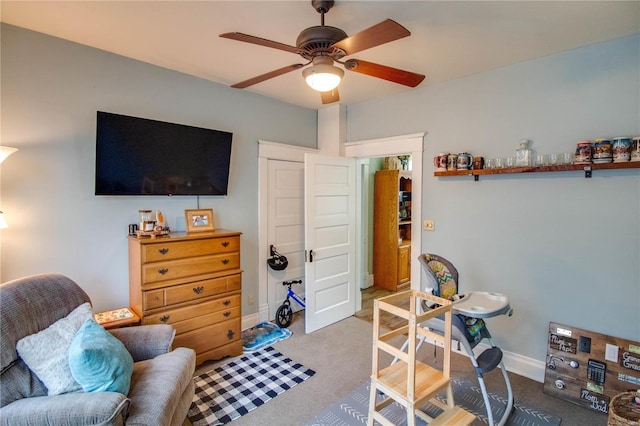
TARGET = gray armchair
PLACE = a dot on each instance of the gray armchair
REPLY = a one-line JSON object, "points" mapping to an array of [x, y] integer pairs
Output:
{"points": [[161, 384]]}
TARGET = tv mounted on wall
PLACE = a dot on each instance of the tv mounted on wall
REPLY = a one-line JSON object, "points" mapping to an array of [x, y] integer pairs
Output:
{"points": [[138, 156]]}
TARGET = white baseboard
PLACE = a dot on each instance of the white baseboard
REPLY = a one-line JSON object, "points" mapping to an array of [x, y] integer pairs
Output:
{"points": [[249, 321], [368, 281], [513, 362]]}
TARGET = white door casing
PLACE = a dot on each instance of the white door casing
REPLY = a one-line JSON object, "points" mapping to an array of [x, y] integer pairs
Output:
{"points": [[398, 145], [330, 239]]}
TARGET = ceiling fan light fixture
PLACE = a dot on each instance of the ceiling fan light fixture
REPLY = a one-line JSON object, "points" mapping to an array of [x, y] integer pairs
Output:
{"points": [[323, 77]]}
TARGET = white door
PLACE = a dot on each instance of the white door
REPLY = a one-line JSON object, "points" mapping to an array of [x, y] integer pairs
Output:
{"points": [[285, 215], [330, 230]]}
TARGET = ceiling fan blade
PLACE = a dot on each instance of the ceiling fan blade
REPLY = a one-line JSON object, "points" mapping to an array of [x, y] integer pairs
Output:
{"points": [[394, 75], [261, 42], [330, 97], [267, 76], [384, 32]]}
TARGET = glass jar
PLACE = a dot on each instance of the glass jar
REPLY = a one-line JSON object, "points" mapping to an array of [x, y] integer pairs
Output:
{"points": [[147, 221], [523, 154]]}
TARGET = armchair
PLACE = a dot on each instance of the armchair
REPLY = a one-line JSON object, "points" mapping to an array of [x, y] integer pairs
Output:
{"points": [[161, 388]]}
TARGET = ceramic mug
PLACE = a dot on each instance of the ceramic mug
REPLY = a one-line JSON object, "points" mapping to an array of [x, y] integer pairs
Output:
{"points": [[621, 149], [452, 162], [478, 163], [440, 161], [635, 149], [465, 161]]}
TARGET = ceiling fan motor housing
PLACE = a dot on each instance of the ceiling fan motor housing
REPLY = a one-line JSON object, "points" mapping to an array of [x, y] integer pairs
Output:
{"points": [[316, 41], [322, 6]]}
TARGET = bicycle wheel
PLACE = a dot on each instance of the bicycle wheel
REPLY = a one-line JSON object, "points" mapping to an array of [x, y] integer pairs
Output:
{"points": [[284, 314]]}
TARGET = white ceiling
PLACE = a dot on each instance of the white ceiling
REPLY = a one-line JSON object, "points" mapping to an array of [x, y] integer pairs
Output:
{"points": [[450, 39]]}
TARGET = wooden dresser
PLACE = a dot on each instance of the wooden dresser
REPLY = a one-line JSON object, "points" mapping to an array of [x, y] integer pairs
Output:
{"points": [[193, 282]]}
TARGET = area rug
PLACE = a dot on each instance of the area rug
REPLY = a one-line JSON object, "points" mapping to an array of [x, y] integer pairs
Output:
{"points": [[262, 335], [242, 385], [353, 409]]}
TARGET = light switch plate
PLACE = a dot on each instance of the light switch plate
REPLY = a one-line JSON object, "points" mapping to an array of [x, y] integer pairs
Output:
{"points": [[428, 225]]}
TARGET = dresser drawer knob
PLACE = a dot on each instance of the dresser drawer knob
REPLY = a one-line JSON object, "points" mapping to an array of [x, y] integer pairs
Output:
{"points": [[225, 243], [163, 250], [226, 302], [230, 334], [225, 261], [198, 290], [227, 313], [165, 318], [163, 271]]}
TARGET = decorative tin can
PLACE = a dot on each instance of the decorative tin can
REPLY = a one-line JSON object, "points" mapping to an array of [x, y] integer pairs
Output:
{"points": [[602, 152], [635, 149], [583, 152], [621, 147]]}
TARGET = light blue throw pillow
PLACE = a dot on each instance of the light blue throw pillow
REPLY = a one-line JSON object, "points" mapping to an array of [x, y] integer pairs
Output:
{"points": [[99, 361]]}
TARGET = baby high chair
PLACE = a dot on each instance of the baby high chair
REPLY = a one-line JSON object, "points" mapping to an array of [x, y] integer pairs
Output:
{"points": [[468, 327]]}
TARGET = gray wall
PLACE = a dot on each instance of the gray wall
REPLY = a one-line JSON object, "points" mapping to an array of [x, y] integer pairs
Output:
{"points": [[51, 90], [562, 247]]}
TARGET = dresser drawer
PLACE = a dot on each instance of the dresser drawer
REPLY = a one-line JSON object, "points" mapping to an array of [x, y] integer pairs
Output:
{"points": [[171, 250], [153, 299], [209, 337], [181, 268], [192, 291], [184, 323]]}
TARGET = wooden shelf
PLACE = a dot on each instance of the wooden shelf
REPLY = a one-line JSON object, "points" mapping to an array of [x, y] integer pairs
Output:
{"points": [[587, 168]]}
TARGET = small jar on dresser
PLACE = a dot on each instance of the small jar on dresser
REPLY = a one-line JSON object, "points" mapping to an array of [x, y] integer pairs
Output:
{"points": [[193, 282]]}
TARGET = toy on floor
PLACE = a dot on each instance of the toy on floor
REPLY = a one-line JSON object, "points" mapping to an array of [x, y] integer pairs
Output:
{"points": [[284, 314]]}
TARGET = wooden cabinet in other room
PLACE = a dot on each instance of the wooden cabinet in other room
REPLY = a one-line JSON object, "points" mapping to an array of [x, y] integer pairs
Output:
{"points": [[193, 282], [392, 229]]}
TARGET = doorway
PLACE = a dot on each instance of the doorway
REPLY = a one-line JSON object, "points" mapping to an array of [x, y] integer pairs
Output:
{"points": [[268, 151]]}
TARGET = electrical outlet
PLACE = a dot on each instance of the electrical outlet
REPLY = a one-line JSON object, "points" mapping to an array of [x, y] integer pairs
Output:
{"points": [[428, 225], [250, 300]]}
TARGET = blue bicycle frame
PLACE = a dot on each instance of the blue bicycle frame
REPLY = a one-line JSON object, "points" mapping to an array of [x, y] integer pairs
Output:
{"points": [[292, 294]]}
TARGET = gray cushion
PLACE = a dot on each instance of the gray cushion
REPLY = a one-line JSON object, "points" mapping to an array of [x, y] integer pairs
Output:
{"points": [[163, 378], [146, 342], [67, 409], [46, 353]]}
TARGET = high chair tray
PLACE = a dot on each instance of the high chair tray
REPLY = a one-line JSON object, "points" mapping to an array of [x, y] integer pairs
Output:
{"points": [[482, 304]]}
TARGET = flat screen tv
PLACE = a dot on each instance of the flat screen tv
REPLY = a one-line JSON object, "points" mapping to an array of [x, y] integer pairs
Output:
{"points": [[138, 156]]}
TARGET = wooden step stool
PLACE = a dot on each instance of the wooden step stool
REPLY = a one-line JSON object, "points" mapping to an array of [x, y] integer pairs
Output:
{"points": [[409, 381]]}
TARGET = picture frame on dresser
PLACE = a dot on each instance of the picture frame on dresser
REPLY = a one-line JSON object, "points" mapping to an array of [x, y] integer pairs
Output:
{"points": [[199, 220]]}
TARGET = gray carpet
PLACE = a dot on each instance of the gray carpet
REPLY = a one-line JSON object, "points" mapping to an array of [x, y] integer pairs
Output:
{"points": [[352, 409]]}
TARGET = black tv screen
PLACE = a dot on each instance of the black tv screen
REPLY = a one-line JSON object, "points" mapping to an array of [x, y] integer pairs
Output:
{"points": [[138, 156]]}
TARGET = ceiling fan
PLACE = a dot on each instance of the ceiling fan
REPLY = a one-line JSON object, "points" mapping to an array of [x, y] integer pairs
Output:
{"points": [[323, 45]]}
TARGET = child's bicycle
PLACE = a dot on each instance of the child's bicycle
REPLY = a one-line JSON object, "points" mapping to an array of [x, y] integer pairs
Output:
{"points": [[284, 313]]}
